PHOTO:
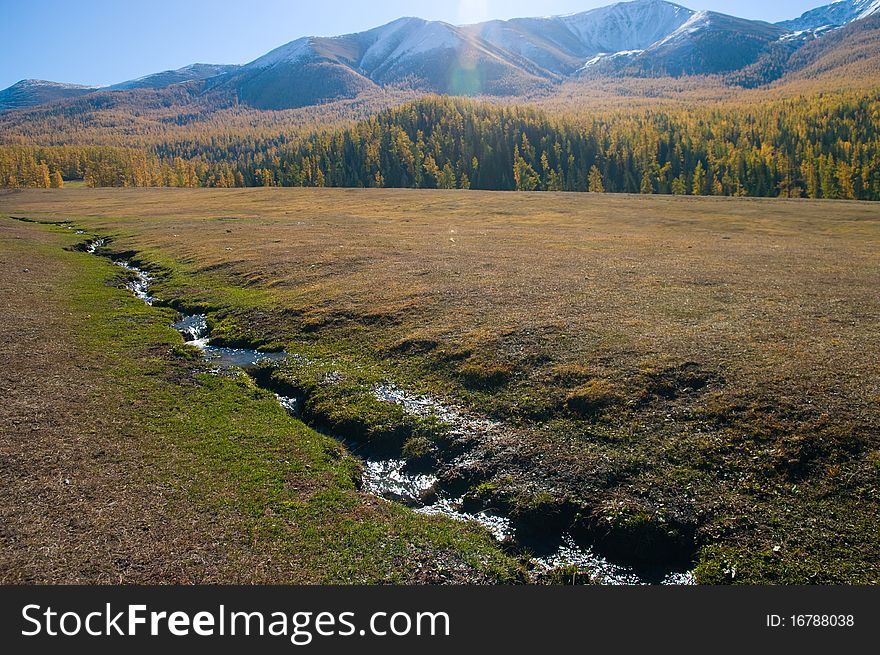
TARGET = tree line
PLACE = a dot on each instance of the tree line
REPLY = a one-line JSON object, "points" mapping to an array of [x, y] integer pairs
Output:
{"points": [[818, 146]]}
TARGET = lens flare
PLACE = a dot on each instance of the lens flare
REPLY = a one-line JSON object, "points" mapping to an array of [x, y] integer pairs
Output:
{"points": [[472, 11], [464, 75]]}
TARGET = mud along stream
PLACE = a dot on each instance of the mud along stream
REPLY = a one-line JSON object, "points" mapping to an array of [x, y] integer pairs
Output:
{"points": [[393, 479]]}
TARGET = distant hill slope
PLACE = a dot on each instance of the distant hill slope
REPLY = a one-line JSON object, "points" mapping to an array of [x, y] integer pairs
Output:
{"points": [[852, 52], [29, 93], [33, 93], [848, 54], [193, 72]]}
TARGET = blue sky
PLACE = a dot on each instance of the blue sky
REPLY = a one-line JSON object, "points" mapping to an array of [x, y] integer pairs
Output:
{"points": [[107, 41]]}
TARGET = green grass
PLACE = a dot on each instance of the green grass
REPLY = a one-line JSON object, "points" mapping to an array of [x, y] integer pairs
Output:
{"points": [[225, 446]]}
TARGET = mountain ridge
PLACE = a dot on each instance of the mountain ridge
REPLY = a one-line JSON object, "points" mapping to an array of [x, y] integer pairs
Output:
{"points": [[31, 92], [520, 56], [836, 14], [192, 72]]}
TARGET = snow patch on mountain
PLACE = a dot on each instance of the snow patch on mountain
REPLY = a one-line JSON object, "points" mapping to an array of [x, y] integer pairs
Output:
{"points": [[836, 14], [695, 23], [871, 9], [432, 36], [807, 35], [46, 84], [609, 56], [290, 53], [167, 78], [381, 42], [627, 25]]}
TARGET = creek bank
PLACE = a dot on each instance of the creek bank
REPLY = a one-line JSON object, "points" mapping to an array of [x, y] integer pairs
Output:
{"points": [[431, 456]]}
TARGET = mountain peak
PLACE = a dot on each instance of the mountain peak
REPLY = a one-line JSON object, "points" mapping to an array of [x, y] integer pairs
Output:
{"points": [[626, 26]]}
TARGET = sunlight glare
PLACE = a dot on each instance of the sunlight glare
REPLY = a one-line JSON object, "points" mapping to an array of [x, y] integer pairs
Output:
{"points": [[473, 11]]}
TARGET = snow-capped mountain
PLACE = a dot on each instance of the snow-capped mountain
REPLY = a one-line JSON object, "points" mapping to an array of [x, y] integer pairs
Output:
{"points": [[430, 55], [833, 15], [627, 25], [556, 44], [708, 43], [562, 44], [640, 37], [497, 57], [514, 57]]}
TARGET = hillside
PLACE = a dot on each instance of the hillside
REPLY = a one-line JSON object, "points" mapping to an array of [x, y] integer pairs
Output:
{"points": [[785, 148], [191, 73], [851, 53], [848, 57], [28, 93]]}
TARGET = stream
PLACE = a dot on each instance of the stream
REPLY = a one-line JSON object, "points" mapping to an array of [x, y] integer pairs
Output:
{"points": [[390, 479]]}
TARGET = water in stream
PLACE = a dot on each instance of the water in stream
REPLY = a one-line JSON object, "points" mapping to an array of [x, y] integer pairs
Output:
{"points": [[389, 478], [195, 330]]}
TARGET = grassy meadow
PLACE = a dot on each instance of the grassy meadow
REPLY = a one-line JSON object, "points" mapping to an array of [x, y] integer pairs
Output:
{"points": [[694, 377], [125, 462]]}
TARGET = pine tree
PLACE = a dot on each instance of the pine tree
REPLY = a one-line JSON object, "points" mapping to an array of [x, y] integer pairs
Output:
{"points": [[447, 177], [432, 170], [180, 173], [699, 187], [525, 177], [679, 186], [596, 184], [646, 187], [845, 181]]}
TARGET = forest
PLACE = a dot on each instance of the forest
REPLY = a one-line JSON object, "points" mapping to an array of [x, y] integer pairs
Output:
{"points": [[812, 146]]}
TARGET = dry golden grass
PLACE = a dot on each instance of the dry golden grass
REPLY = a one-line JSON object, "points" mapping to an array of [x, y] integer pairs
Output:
{"points": [[781, 295], [739, 336]]}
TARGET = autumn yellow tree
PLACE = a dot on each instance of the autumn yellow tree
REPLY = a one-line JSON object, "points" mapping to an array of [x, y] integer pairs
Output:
{"points": [[596, 184], [42, 180]]}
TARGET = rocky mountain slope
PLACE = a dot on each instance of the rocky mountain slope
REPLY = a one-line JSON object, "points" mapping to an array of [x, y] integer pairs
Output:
{"points": [[643, 38]]}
